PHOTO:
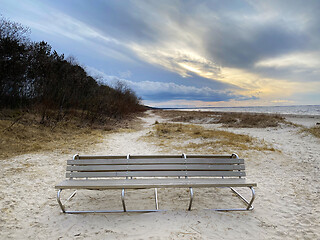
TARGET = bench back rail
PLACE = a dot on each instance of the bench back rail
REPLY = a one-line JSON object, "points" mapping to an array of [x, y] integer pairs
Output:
{"points": [[155, 166]]}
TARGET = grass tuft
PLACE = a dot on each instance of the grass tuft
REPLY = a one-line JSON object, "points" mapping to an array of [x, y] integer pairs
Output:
{"points": [[315, 131], [250, 120], [189, 137]]}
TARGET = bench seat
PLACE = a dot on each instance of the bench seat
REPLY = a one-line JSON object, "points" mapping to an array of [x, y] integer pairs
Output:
{"points": [[153, 183]]}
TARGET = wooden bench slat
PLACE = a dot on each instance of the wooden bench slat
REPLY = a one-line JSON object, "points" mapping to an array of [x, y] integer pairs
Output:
{"points": [[156, 174], [155, 161], [152, 183], [158, 167], [153, 156]]}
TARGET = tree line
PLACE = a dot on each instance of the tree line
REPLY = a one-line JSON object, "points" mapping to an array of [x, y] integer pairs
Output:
{"points": [[34, 76]]}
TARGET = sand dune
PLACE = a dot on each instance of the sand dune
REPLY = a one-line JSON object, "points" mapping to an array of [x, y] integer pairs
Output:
{"points": [[286, 207]]}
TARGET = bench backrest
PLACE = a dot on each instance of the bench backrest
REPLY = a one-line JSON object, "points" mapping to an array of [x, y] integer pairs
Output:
{"points": [[155, 166]]}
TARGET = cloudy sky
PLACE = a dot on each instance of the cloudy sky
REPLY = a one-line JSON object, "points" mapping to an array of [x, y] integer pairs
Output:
{"points": [[187, 53]]}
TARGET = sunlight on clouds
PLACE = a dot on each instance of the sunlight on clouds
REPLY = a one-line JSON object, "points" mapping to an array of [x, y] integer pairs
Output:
{"points": [[283, 101], [299, 60], [267, 90], [178, 60], [253, 84], [189, 68], [185, 62]]}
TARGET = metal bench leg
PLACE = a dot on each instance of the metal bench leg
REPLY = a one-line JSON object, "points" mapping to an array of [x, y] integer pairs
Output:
{"points": [[250, 207], [72, 195], [249, 204], [191, 199], [101, 211], [122, 199], [156, 198], [59, 201]]}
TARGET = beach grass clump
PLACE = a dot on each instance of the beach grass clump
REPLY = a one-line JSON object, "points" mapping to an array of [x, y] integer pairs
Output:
{"points": [[188, 116], [250, 120], [190, 137], [315, 131], [227, 119]]}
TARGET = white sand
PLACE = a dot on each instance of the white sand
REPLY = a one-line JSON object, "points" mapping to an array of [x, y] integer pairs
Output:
{"points": [[287, 204]]}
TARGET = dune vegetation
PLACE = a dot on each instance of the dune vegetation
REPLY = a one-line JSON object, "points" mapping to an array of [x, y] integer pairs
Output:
{"points": [[195, 138], [21, 132], [315, 131], [227, 119]]}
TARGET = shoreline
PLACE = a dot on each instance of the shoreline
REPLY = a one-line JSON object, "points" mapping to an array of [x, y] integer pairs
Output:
{"points": [[245, 110], [230, 112]]}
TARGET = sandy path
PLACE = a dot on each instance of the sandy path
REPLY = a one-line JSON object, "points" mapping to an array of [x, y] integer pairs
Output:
{"points": [[286, 206], [128, 141]]}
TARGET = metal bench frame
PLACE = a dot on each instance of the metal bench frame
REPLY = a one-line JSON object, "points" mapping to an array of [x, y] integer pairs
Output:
{"points": [[248, 204]]}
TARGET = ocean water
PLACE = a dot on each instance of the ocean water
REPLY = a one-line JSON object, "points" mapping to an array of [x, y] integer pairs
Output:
{"points": [[309, 110]]}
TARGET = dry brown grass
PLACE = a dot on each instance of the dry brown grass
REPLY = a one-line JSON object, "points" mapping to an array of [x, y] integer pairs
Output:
{"points": [[188, 116], [250, 120], [228, 119], [22, 138], [315, 131], [21, 133], [192, 138]]}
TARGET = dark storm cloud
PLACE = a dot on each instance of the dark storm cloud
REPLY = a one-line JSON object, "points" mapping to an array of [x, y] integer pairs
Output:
{"points": [[237, 47]]}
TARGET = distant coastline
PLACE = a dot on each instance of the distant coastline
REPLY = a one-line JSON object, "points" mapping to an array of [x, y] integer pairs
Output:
{"points": [[309, 110]]}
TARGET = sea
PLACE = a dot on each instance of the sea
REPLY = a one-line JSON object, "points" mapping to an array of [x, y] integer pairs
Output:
{"points": [[304, 110]]}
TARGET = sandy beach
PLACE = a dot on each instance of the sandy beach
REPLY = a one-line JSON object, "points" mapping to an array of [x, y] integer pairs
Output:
{"points": [[286, 207]]}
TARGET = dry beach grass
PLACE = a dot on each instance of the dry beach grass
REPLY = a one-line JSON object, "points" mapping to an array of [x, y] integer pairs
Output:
{"points": [[195, 138], [315, 131], [228, 119], [22, 133]]}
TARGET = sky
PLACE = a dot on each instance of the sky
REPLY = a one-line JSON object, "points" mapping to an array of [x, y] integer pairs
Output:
{"points": [[189, 53]]}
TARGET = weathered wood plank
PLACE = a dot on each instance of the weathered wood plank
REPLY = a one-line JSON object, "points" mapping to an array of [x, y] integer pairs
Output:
{"points": [[156, 167], [152, 183], [153, 156], [156, 174], [82, 157], [156, 161]]}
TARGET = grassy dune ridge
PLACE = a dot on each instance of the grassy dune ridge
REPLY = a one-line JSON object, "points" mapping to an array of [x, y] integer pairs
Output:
{"points": [[315, 131], [192, 138], [21, 132], [227, 119]]}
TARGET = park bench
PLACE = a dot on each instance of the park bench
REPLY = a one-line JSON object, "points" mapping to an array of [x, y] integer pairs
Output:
{"points": [[155, 171]]}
